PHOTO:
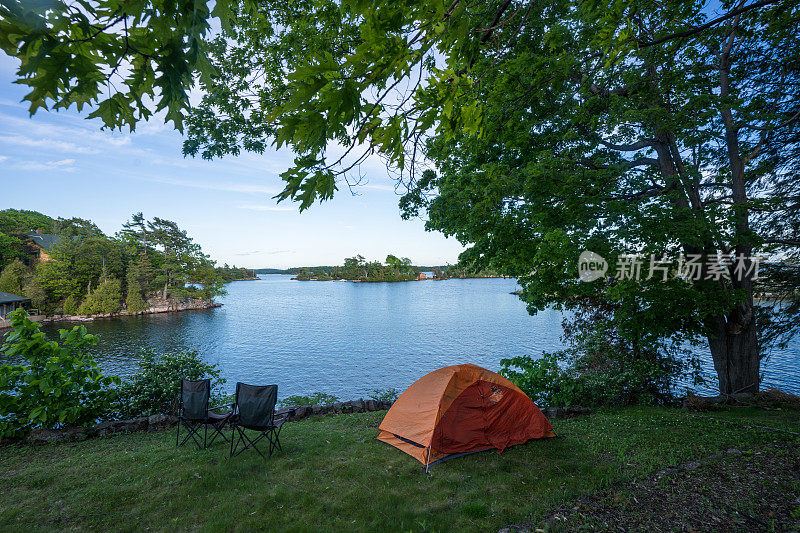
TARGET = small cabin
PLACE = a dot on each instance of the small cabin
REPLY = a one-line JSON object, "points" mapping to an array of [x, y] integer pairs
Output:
{"points": [[9, 302], [422, 276]]}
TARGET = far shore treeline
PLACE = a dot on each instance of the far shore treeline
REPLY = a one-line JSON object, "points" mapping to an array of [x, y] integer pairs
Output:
{"points": [[357, 268], [69, 266]]}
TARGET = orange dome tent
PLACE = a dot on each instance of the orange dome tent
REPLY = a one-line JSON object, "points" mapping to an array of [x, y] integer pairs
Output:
{"points": [[461, 409]]}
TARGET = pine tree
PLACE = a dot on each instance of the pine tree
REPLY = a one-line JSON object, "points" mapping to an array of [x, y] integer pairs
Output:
{"points": [[140, 272], [105, 298], [135, 303], [70, 306]]}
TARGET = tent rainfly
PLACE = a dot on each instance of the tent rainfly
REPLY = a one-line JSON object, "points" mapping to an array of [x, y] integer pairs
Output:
{"points": [[461, 409]]}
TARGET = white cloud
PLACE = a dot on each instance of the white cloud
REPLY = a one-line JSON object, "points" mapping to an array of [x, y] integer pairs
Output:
{"points": [[117, 140], [247, 188], [49, 144], [67, 165], [376, 187], [262, 252], [3, 158], [259, 207], [10, 103], [83, 137], [153, 126]]}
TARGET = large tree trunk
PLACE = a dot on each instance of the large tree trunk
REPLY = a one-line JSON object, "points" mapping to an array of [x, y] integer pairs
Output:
{"points": [[734, 349], [734, 343]]}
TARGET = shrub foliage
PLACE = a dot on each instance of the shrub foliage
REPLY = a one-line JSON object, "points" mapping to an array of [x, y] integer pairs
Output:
{"points": [[315, 398], [385, 395], [156, 385], [601, 367], [59, 385]]}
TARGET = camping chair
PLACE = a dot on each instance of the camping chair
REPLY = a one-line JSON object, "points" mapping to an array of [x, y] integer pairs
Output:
{"points": [[193, 412], [255, 410]]}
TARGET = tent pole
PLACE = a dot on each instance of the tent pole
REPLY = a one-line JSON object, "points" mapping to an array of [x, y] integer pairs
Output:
{"points": [[428, 461]]}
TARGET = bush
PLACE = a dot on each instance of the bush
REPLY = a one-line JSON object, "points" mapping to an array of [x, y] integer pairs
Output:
{"points": [[155, 387], [60, 385], [540, 378], [603, 367], [384, 395], [566, 378], [315, 398]]}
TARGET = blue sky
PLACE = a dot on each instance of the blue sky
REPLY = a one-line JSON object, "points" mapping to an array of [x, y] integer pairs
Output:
{"points": [[62, 165]]}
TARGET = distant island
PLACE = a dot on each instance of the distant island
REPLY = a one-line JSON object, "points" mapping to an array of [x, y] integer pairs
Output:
{"points": [[358, 269]]}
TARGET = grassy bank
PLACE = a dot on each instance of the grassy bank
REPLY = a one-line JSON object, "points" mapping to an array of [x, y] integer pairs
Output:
{"points": [[334, 475]]}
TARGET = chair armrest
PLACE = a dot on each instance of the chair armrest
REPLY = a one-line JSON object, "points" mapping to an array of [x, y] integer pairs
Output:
{"points": [[283, 415], [285, 411]]}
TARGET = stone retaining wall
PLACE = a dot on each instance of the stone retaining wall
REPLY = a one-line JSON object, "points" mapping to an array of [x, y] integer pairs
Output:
{"points": [[161, 422], [361, 405], [293, 414], [145, 423]]}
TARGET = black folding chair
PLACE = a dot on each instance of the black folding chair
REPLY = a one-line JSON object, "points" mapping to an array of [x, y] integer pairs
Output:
{"points": [[194, 413], [255, 410]]}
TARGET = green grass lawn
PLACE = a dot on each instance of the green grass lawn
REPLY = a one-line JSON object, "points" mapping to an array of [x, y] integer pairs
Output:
{"points": [[334, 475]]}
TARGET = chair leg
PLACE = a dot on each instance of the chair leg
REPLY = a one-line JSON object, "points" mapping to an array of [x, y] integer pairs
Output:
{"points": [[274, 439], [193, 432], [248, 443], [237, 436], [217, 428], [252, 444]]}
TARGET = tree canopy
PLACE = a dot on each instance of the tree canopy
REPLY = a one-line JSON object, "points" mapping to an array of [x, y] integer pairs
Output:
{"points": [[530, 130]]}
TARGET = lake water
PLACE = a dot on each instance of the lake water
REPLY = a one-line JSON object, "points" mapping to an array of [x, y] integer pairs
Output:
{"points": [[348, 339]]}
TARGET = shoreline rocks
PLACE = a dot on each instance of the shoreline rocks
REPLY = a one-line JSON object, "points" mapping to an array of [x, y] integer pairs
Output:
{"points": [[768, 397], [158, 306], [299, 412]]}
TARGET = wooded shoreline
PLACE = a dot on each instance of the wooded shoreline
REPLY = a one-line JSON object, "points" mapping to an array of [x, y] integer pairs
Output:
{"points": [[168, 307]]}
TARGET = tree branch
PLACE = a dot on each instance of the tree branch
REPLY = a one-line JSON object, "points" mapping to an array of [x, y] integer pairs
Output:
{"points": [[707, 25], [494, 23], [787, 242], [627, 147]]}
